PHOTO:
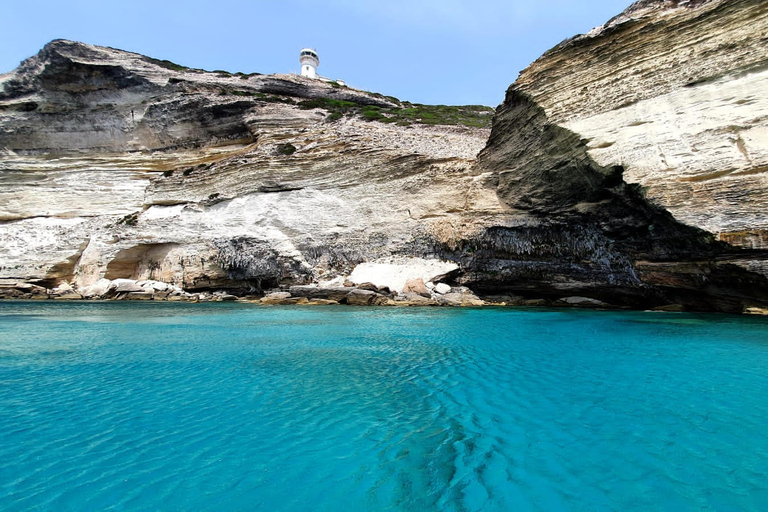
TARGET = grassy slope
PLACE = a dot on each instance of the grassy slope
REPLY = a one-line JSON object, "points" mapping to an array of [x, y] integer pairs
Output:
{"points": [[404, 114]]}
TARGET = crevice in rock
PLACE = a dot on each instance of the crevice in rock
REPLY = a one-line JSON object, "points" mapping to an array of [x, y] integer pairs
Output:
{"points": [[64, 271]]}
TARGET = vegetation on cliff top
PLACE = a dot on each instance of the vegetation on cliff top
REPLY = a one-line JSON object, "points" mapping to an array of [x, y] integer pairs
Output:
{"points": [[403, 114], [167, 64], [406, 113]]}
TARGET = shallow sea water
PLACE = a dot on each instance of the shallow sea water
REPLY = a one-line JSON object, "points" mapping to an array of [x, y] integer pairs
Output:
{"points": [[114, 406]]}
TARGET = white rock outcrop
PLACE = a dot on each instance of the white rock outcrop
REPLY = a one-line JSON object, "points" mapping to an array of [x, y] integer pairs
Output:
{"points": [[394, 273], [119, 166]]}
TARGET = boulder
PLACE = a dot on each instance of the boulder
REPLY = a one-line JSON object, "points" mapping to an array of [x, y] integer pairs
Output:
{"points": [[275, 298], [442, 288], [381, 300], [462, 298], [360, 297], [98, 289], [316, 292], [416, 286], [126, 286], [62, 289], [157, 285]]}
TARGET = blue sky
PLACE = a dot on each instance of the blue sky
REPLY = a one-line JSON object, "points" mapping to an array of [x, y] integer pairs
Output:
{"points": [[430, 51]]}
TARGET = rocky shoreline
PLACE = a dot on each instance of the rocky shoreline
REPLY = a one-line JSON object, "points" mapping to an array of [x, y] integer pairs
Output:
{"points": [[417, 293], [365, 294]]}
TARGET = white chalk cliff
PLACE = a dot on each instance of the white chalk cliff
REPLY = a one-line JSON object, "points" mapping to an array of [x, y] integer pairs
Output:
{"points": [[119, 166]]}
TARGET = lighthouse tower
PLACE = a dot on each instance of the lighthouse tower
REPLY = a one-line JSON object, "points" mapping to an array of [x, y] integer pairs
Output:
{"points": [[309, 62]]}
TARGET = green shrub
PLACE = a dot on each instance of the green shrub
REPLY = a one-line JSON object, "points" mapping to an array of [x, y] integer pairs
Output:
{"points": [[404, 114], [131, 219], [167, 64], [327, 104], [372, 114]]}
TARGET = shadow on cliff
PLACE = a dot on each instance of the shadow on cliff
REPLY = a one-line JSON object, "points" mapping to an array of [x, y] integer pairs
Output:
{"points": [[581, 229]]}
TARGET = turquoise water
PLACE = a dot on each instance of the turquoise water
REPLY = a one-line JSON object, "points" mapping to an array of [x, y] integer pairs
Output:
{"points": [[113, 406]]}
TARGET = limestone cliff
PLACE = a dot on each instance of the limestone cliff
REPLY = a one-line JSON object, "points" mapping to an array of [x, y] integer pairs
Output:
{"points": [[677, 80], [115, 166], [676, 92]]}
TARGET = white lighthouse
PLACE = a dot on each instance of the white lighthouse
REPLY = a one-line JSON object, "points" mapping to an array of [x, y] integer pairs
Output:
{"points": [[309, 62]]}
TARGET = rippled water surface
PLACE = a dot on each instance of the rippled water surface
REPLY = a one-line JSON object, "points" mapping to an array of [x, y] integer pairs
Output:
{"points": [[238, 407]]}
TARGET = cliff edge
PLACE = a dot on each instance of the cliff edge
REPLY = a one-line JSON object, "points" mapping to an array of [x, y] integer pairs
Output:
{"points": [[118, 166], [649, 131]]}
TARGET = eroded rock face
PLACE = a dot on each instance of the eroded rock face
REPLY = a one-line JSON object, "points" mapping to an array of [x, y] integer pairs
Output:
{"points": [[117, 166], [565, 152], [676, 92]]}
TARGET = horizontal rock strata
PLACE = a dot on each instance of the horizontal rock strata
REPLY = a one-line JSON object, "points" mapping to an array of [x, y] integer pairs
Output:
{"points": [[569, 147], [676, 93], [120, 171]]}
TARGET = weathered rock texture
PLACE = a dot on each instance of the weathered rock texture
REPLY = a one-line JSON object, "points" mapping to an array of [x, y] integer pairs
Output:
{"points": [[117, 166], [580, 123], [677, 93]]}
